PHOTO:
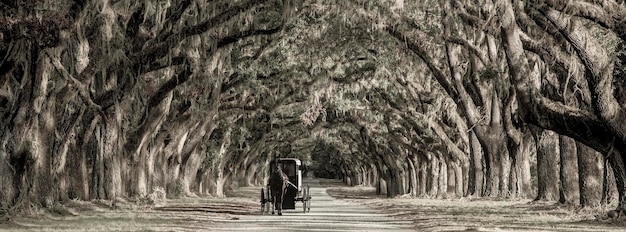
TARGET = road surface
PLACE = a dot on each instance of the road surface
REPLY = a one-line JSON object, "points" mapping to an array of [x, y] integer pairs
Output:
{"points": [[327, 214]]}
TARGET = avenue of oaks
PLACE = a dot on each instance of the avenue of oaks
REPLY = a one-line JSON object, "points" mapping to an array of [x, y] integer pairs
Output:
{"points": [[101, 99]]}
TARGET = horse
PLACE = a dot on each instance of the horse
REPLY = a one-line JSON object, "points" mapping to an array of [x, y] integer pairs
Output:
{"points": [[278, 185]]}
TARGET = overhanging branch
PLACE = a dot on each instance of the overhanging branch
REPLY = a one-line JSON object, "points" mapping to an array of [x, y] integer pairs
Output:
{"points": [[162, 44]]}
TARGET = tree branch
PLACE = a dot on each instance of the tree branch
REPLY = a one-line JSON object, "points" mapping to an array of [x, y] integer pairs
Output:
{"points": [[473, 48], [598, 69], [419, 49], [609, 14], [160, 49], [174, 14], [83, 91], [168, 86]]}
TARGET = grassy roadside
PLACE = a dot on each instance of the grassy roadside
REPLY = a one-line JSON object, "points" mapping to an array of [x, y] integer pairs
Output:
{"points": [[183, 214], [480, 214]]}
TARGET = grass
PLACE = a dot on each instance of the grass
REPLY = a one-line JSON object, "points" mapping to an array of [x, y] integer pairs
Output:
{"points": [[182, 214], [481, 214]]}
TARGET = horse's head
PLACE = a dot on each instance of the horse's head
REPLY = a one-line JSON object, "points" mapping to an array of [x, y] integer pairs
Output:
{"points": [[275, 164], [277, 168]]}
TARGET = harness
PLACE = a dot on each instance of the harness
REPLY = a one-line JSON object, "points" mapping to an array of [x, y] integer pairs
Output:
{"points": [[289, 182], [286, 179]]}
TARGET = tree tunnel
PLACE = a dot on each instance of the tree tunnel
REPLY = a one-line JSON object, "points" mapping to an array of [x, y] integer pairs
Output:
{"points": [[118, 99]]}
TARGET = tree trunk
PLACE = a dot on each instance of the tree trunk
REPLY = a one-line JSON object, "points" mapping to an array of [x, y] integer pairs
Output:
{"points": [[220, 179], [505, 176], [138, 146], [547, 165], [221, 173], [524, 165], [251, 173], [77, 175], [493, 169], [459, 179], [423, 178], [152, 179], [520, 173], [590, 173], [172, 174], [373, 175], [433, 181], [7, 181], [221, 183], [610, 193], [412, 176], [451, 181], [393, 183], [113, 160], [381, 186], [405, 179], [619, 171], [464, 178], [139, 176], [190, 170], [96, 188], [570, 191], [27, 139], [442, 191], [242, 173], [477, 174], [171, 162]]}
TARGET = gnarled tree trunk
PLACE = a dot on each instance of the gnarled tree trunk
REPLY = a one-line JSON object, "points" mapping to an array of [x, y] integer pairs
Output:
{"points": [[590, 168], [569, 193], [547, 165]]}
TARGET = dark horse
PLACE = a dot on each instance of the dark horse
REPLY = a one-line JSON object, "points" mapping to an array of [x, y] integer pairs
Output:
{"points": [[278, 185]]}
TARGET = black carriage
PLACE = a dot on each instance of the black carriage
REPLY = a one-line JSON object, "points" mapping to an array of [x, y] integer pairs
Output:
{"points": [[295, 191]]}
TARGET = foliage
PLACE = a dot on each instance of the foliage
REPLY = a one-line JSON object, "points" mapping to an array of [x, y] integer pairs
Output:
{"points": [[344, 84], [324, 163]]}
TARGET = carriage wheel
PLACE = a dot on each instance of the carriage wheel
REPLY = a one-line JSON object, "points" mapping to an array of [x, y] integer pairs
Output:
{"points": [[308, 198], [304, 200]]}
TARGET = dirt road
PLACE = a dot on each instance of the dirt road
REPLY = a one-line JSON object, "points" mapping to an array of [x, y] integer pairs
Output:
{"points": [[352, 209], [240, 212], [327, 214]]}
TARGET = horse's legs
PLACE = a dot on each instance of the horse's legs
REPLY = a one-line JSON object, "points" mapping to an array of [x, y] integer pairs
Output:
{"points": [[282, 198], [273, 202], [278, 204]]}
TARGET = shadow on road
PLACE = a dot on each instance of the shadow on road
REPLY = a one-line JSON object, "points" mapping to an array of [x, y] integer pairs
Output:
{"points": [[213, 208]]}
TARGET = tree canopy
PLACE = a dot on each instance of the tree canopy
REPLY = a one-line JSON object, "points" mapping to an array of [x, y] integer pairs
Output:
{"points": [[102, 99]]}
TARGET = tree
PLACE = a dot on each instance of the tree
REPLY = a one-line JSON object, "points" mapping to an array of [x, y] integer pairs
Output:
{"points": [[596, 127], [122, 66]]}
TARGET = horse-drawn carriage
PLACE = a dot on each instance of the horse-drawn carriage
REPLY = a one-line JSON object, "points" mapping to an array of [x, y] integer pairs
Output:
{"points": [[285, 185]]}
